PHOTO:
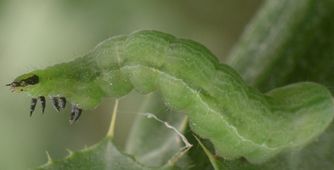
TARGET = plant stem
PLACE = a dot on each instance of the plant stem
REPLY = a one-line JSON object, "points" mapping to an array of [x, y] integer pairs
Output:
{"points": [[111, 130]]}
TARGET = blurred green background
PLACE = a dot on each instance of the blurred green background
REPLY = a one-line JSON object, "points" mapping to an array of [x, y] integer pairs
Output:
{"points": [[38, 33]]}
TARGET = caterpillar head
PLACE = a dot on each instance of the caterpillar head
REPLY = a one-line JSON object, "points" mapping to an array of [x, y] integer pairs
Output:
{"points": [[24, 82], [60, 88]]}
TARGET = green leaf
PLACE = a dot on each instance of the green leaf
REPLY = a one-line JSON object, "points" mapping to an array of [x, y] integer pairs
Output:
{"points": [[156, 147], [103, 155], [290, 41]]}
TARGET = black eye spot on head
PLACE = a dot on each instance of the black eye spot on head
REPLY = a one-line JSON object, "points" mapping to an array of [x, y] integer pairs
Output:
{"points": [[34, 79], [31, 80]]}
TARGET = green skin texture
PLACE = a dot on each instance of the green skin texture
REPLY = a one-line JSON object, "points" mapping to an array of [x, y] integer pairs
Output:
{"points": [[239, 120]]}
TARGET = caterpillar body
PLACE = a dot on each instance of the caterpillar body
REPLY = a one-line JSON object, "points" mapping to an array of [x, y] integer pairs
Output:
{"points": [[239, 120]]}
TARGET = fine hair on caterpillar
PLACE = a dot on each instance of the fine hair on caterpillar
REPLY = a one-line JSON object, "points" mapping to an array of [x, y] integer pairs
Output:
{"points": [[239, 120]]}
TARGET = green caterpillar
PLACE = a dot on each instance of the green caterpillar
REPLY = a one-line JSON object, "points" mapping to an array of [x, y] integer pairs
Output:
{"points": [[239, 120]]}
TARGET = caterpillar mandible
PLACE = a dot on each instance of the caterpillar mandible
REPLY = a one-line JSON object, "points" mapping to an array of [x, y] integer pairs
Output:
{"points": [[239, 120]]}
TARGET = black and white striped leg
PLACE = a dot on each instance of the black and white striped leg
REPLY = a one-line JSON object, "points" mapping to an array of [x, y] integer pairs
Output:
{"points": [[75, 114], [55, 103], [33, 105], [42, 99], [62, 102]]}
